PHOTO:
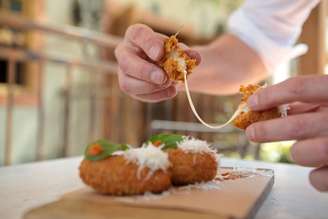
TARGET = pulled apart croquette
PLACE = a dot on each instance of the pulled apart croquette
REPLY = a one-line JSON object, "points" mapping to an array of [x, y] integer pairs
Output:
{"points": [[247, 117], [117, 176], [176, 61], [189, 168]]}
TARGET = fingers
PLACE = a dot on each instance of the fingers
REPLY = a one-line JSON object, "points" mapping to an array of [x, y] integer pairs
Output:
{"points": [[146, 39], [158, 96], [194, 54], [133, 86], [299, 126], [299, 107], [191, 53], [133, 65], [305, 89], [319, 178], [311, 152], [139, 75]]}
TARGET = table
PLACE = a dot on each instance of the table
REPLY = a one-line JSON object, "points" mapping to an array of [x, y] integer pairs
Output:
{"points": [[30, 185]]}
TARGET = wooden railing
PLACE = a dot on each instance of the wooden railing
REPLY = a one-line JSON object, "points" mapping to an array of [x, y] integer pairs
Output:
{"points": [[14, 55]]}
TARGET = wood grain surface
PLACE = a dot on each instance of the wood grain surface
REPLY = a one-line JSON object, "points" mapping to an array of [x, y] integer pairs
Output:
{"points": [[238, 198]]}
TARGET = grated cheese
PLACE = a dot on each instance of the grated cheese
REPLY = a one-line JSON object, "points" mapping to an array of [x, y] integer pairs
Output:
{"points": [[118, 153], [148, 156], [193, 145], [148, 196], [205, 186]]}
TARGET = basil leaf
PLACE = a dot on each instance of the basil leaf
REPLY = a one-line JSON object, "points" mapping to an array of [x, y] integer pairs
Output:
{"points": [[169, 140], [107, 149]]}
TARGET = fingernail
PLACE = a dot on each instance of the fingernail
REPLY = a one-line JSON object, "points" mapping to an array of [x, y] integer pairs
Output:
{"points": [[253, 101], [157, 77], [154, 52]]}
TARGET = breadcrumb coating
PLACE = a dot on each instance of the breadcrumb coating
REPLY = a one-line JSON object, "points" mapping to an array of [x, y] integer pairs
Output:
{"points": [[176, 61], [189, 168], [248, 117], [248, 91], [117, 176]]}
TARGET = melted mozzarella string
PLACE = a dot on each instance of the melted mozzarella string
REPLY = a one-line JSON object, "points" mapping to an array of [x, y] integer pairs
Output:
{"points": [[241, 107]]}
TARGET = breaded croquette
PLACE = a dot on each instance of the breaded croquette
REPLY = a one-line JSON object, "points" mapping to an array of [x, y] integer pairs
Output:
{"points": [[247, 117], [176, 61], [189, 168], [115, 175], [192, 162], [166, 159], [117, 170]]}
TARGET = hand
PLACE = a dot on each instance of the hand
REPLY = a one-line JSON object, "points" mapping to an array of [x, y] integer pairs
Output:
{"points": [[139, 75], [307, 122]]}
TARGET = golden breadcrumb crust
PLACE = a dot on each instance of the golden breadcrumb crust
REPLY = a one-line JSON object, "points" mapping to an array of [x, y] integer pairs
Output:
{"points": [[188, 168], [248, 91], [170, 63], [116, 176], [244, 119]]}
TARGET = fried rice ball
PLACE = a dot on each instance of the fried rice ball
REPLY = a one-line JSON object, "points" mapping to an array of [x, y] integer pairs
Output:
{"points": [[116, 176], [189, 168], [176, 61], [246, 118]]}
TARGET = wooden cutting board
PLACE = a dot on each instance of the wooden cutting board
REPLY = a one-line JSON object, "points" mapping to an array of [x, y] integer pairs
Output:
{"points": [[233, 198]]}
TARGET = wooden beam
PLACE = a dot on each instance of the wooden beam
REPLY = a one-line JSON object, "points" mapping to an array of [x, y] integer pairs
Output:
{"points": [[313, 35]]}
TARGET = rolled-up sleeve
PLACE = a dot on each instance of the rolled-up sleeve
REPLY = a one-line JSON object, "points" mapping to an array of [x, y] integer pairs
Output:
{"points": [[271, 27]]}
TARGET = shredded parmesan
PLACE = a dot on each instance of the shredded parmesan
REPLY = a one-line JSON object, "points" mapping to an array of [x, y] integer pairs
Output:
{"points": [[148, 156], [148, 196], [118, 153], [205, 186], [241, 107], [192, 145]]}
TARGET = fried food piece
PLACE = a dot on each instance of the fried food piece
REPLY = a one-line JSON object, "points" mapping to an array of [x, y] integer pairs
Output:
{"points": [[117, 176], [189, 168], [248, 91], [247, 117], [176, 61]]}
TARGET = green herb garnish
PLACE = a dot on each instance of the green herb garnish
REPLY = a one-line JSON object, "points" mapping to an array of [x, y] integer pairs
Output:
{"points": [[168, 140], [102, 149]]}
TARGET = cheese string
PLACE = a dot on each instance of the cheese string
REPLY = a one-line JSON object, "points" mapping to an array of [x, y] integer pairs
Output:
{"points": [[240, 108]]}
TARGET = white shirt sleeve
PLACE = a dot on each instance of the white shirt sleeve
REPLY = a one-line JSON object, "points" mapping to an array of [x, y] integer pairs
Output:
{"points": [[271, 27]]}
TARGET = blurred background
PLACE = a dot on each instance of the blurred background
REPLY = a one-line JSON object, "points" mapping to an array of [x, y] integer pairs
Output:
{"points": [[58, 84]]}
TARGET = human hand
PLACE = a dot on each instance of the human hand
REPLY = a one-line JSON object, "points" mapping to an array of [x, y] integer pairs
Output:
{"points": [[139, 74], [307, 122]]}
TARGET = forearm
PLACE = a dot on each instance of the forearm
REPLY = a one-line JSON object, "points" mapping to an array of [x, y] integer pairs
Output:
{"points": [[226, 64], [266, 32]]}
